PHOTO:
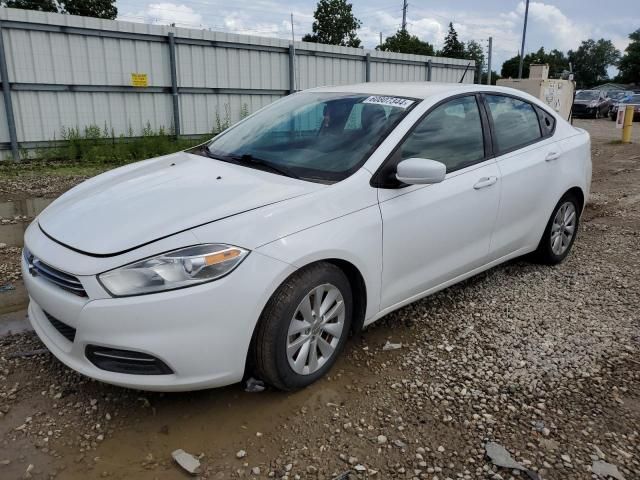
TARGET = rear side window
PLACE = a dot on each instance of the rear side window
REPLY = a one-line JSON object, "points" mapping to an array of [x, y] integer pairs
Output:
{"points": [[547, 122], [515, 122]]}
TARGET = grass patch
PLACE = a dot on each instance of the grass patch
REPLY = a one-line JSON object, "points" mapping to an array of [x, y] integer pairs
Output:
{"points": [[94, 150]]}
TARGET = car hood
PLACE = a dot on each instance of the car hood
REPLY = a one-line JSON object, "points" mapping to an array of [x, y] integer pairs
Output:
{"points": [[134, 205], [586, 102]]}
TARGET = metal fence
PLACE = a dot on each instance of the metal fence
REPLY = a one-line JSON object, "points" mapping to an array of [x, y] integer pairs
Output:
{"points": [[63, 71]]}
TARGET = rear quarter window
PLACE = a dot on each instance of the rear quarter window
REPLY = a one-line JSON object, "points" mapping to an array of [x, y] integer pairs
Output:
{"points": [[547, 122], [515, 122]]}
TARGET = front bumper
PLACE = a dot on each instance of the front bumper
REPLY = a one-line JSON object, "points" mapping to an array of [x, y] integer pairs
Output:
{"points": [[201, 333], [583, 111]]}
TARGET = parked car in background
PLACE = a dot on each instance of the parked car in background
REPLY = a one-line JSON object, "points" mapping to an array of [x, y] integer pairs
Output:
{"points": [[590, 103], [260, 251], [633, 99], [616, 97]]}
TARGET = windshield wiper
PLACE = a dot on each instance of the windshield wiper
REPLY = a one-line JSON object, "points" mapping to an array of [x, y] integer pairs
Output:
{"points": [[263, 164]]}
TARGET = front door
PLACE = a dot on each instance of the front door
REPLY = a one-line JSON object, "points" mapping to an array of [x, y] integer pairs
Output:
{"points": [[435, 233]]}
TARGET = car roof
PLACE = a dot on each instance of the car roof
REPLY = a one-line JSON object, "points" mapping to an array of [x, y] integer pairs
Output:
{"points": [[420, 90]]}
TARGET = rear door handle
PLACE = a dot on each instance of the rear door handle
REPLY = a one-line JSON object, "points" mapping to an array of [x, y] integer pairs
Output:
{"points": [[485, 182], [552, 156]]}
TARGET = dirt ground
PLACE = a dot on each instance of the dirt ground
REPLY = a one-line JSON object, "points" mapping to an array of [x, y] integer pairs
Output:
{"points": [[542, 360]]}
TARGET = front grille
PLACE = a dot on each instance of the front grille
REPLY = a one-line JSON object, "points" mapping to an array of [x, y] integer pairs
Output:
{"points": [[579, 108], [126, 361], [65, 330], [63, 280]]}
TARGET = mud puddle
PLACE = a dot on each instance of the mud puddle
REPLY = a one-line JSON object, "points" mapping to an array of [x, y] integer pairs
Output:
{"points": [[220, 422], [15, 217]]}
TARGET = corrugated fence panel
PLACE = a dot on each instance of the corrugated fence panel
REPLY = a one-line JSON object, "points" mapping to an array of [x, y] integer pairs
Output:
{"points": [[203, 113], [67, 71], [44, 115], [313, 71]]}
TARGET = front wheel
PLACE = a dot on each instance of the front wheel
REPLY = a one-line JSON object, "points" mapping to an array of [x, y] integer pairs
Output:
{"points": [[560, 232], [304, 327]]}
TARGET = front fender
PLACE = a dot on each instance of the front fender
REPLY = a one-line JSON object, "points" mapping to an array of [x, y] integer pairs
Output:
{"points": [[355, 238]]}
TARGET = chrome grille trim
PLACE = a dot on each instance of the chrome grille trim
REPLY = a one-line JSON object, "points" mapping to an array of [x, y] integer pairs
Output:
{"points": [[65, 281]]}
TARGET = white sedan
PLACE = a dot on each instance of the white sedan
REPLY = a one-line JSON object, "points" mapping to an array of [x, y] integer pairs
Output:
{"points": [[259, 252]]}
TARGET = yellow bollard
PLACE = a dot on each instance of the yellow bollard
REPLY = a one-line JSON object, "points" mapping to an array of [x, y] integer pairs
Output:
{"points": [[628, 124]]}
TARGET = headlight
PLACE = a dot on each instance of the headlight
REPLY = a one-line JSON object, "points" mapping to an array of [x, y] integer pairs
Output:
{"points": [[176, 269]]}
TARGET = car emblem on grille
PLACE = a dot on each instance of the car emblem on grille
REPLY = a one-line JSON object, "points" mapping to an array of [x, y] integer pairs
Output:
{"points": [[32, 269]]}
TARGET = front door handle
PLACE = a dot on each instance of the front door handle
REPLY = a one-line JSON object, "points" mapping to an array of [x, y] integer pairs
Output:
{"points": [[552, 156], [485, 182]]}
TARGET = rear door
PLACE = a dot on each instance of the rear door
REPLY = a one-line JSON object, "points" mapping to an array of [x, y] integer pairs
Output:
{"points": [[527, 155]]}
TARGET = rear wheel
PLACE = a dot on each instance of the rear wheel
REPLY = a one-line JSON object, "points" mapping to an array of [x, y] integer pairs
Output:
{"points": [[560, 232], [304, 327]]}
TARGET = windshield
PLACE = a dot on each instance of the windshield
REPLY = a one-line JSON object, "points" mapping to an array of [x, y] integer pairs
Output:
{"points": [[633, 99], [316, 136], [587, 95]]}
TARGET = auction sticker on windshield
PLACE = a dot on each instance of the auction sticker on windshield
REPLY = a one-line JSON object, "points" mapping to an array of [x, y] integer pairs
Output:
{"points": [[389, 101]]}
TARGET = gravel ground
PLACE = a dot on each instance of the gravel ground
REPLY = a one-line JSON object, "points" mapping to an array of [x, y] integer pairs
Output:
{"points": [[542, 360]]}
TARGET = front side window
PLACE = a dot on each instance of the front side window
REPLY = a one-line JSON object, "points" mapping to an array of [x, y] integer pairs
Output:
{"points": [[316, 136], [515, 122], [451, 134]]}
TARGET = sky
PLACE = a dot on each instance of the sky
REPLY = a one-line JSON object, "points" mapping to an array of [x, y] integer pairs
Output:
{"points": [[560, 24]]}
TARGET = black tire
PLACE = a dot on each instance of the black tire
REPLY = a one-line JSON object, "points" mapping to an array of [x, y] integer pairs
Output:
{"points": [[544, 253], [270, 342], [598, 114]]}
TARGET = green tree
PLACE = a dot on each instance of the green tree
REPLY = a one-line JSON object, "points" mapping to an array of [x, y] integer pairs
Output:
{"points": [[473, 51], [86, 8], [41, 5], [334, 24], [556, 60], [558, 63], [510, 67], [591, 59], [91, 8], [629, 65], [494, 77], [403, 42], [453, 48]]}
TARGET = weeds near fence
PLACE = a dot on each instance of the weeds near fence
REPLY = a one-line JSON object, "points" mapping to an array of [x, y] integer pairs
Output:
{"points": [[224, 122], [94, 149], [100, 145], [244, 111]]}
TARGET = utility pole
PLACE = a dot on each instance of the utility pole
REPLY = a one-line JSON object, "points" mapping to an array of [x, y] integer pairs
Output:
{"points": [[524, 35], [404, 14], [293, 54], [380, 39], [489, 61]]}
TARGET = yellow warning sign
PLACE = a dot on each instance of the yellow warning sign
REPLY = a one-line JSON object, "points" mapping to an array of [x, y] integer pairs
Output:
{"points": [[139, 80]]}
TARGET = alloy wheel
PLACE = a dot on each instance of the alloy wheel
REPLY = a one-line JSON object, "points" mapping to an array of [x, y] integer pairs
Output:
{"points": [[563, 228], [315, 329]]}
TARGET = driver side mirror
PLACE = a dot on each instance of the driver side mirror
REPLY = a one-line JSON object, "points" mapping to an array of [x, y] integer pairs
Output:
{"points": [[420, 171]]}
